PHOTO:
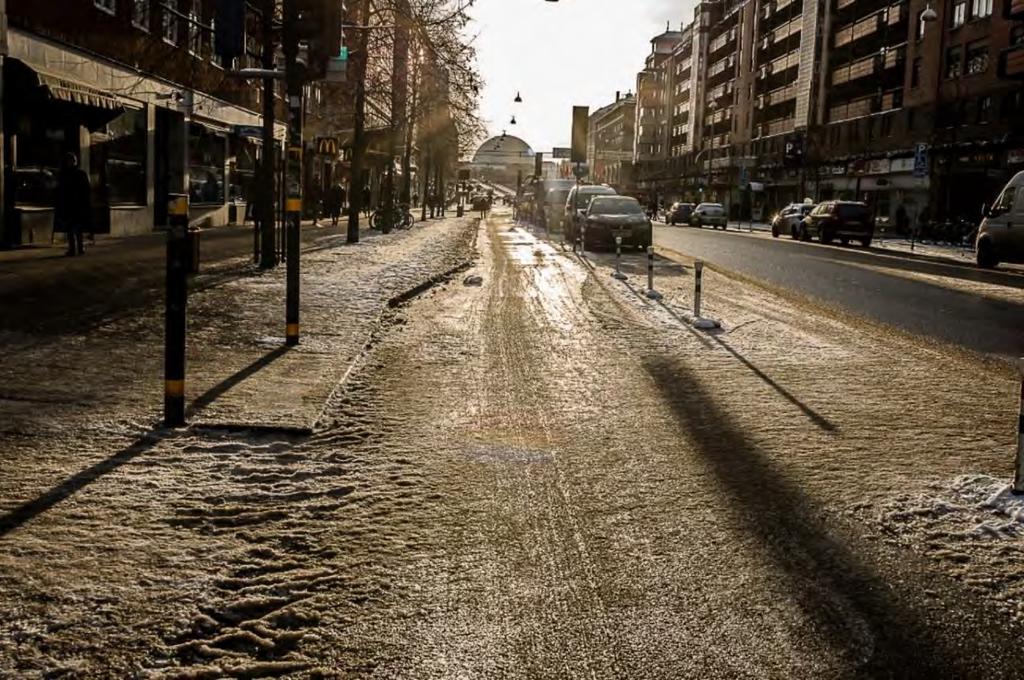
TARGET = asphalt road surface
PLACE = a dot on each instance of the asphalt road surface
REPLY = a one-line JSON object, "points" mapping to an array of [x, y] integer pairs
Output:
{"points": [[958, 304]]}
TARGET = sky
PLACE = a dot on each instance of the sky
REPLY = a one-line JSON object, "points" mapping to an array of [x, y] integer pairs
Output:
{"points": [[557, 55]]}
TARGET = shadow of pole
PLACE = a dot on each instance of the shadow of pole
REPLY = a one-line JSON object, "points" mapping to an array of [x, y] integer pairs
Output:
{"points": [[35, 507], [27, 511], [815, 417], [212, 394], [831, 583]]}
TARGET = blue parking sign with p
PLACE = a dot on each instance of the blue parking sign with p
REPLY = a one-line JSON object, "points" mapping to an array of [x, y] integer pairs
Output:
{"points": [[921, 160]]}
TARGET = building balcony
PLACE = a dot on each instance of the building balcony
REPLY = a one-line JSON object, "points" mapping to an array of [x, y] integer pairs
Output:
{"points": [[865, 106], [774, 16], [848, 11], [774, 127]]}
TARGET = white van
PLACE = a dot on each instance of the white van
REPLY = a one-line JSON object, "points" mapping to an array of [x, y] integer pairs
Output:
{"points": [[1001, 234]]}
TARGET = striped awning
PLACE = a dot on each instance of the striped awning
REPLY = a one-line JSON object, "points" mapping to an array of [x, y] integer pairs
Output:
{"points": [[77, 93]]}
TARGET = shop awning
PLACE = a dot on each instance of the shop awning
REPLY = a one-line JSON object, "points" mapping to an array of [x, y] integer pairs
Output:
{"points": [[40, 89], [77, 93]]}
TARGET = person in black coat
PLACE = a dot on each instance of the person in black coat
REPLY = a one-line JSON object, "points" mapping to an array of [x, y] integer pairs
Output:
{"points": [[73, 210]]}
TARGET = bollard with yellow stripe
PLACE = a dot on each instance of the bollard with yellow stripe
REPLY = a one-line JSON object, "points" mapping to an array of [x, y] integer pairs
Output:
{"points": [[175, 310]]}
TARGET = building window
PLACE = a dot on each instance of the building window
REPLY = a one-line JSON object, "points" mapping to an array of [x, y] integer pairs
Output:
{"points": [[915, 72], [959, 13], [117, 158], [108, 6], [981, 8], [911, 119], [195, 31], [953, 59], [977, 57], [169, 23], [1013, 104], [206, 165], [984, 109], [140, 14], [887, 125], [1017, 35]]}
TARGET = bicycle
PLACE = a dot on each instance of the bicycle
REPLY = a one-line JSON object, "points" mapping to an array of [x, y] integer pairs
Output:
{"points": [[395, 217]]}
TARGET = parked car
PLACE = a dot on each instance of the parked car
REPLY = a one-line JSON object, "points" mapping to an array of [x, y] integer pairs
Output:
{"points": [[843, 220], [679, 213], [709, 213], [1001, 234], [577, 201], [787, 220], [611, 216], [554, 208]]}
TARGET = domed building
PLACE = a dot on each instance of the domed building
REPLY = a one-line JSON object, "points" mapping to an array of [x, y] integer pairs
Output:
{"points": [[501, 158]]}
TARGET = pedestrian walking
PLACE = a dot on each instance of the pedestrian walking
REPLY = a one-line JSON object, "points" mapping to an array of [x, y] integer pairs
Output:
{"points": [[366, 201], [73, 209], [335, 202]]}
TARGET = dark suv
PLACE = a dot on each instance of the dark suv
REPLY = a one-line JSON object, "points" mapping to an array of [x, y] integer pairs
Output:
{"points": [[843, 220]]}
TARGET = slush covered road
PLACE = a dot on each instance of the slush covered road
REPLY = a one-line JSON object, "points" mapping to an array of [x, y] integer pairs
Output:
{"points": [[537, 472], [962, 305]]}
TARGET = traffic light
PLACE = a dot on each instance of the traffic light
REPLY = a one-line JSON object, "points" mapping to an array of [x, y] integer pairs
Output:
{"points": [[318, 24], [229, 29]]}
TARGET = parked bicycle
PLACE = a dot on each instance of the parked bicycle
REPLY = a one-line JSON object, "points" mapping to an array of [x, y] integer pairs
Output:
{"points": [[394, 217]]}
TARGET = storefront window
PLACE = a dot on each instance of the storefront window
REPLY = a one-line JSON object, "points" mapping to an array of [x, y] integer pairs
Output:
{"points": [[206, 165], [41, 145], [243, 169], [118, 159]]}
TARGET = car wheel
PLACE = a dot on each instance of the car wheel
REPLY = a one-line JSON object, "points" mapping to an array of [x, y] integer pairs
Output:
{"points": [[866, 241], [845, 241], [986, 258], [825, 236], [804, 235], [775, 231]]}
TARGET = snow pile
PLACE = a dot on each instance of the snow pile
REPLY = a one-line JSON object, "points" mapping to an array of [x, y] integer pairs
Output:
{"points": [[972, 525], [971, 506]]}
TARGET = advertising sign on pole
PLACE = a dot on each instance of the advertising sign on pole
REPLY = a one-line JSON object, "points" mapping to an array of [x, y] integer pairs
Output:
{"points": [[580, 125]]}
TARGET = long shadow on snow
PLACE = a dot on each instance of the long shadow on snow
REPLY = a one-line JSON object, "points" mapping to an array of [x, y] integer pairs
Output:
{"points": [[72, 485], [821, 571]]}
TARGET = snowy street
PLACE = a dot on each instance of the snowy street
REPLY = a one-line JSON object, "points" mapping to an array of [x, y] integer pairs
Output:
{"points": [[537, 473]]}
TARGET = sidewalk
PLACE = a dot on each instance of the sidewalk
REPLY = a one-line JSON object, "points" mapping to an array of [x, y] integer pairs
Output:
{"points": [[238, 372]]}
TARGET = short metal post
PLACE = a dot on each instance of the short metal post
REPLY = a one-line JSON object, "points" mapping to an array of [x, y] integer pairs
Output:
{"points": [[618, 260], [651, 293], [1018, 474], [583, 238], [175, 311], [698, 273]]}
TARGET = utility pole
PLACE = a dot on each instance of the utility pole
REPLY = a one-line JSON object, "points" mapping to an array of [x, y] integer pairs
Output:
{"points": [[356, 182], [293, 170], [265, 196]]}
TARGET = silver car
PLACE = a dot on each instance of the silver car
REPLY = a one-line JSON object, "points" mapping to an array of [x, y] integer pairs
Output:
{"points": [[709, 213]]}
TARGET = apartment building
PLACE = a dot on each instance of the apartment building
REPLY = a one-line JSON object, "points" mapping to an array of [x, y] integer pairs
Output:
{"points": [[610, 141], [776, 100]]}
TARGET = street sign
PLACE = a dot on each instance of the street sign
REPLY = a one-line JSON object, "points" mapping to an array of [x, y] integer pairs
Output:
{"points": [[561, 152], [251, 131], [921, 160]]}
